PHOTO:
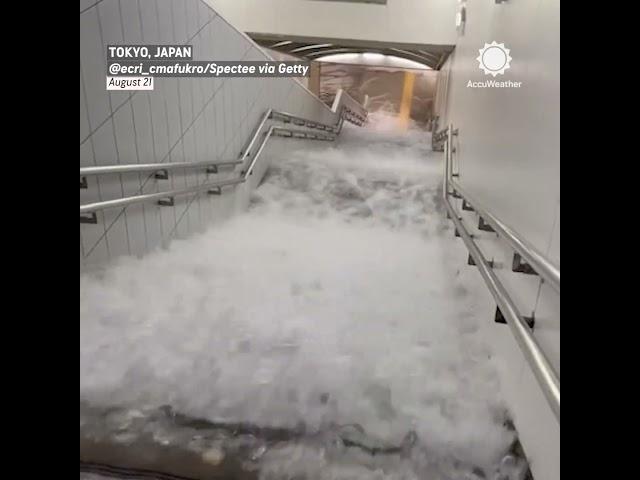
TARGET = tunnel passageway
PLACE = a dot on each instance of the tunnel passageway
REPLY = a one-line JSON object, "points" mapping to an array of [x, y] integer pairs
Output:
{"points": [[338, 298]]}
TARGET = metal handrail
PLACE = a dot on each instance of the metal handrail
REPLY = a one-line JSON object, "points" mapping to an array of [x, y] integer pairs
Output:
{"points": [[150, 167], [294, 133], [343, 100], [439, 138], [91, 208], [343, 104], [547, 377], [246, 155], [296, 120], [339, 107], [541, 264], [123, 202], [247, 152], [249, 170], [273, 130]]}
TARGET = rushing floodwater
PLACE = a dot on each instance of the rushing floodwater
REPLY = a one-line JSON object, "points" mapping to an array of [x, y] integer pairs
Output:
{"points": [[339, 298]]}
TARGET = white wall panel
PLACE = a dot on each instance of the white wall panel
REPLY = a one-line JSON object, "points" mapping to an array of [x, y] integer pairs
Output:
{"points": [[508, 158]]}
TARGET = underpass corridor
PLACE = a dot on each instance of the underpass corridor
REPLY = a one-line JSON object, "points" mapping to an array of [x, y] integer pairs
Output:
{"points": [[329, 331], [349, 273]]}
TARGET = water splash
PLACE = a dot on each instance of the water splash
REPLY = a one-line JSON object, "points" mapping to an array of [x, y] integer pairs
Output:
{"points": [[336, 299]]}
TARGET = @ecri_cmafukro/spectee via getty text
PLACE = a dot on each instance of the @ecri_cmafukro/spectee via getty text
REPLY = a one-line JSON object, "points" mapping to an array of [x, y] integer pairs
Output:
{"points": [[134, 67]]}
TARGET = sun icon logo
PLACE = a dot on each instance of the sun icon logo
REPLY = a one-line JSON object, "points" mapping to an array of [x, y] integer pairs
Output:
{"points": [[494, 58]]}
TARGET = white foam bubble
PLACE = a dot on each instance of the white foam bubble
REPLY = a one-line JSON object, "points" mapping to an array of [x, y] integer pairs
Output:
{"points": [[338, 297]]}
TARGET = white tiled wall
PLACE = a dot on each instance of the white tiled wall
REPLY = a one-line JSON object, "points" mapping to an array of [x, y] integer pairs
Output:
{"points": [[186, 119]]}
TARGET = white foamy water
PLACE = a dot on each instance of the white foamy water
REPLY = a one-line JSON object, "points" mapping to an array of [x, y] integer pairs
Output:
{"points": [[338, 298]]}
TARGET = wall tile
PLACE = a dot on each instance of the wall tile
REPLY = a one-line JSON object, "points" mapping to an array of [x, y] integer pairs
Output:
{"points": [[149, 19], [165, 21], [181, 120], [186, 102], [143, 131], [93, 68], [179, 21], [112, 34], [136, 229], [192, 17], [173, 109], [159, 123], [131, 22], [115, 220], [95, 248]]}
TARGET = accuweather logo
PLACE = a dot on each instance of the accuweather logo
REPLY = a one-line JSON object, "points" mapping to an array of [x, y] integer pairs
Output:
{"points": [[493, 60]]}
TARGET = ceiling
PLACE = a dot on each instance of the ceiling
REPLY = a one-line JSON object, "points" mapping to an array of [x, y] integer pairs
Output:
{"points": [[314, 48]]}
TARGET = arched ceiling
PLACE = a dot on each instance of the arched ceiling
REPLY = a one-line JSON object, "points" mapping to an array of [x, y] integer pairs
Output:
{"points": [[313, 48]]}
